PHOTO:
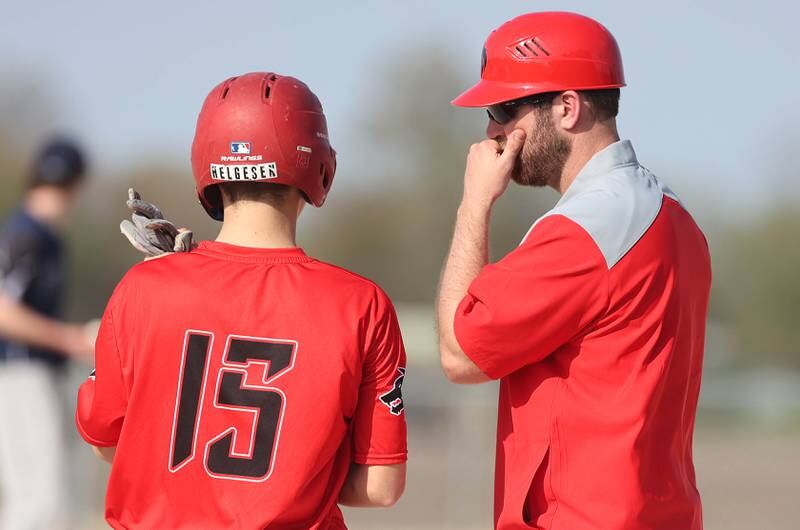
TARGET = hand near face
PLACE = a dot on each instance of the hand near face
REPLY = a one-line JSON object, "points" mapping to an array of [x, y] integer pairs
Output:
{"points": [[489, 167]]}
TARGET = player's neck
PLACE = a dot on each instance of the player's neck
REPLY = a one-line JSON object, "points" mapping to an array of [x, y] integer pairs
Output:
{"points": [[258, 225]]}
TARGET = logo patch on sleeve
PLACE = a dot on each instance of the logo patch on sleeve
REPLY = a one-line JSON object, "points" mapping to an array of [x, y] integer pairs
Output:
{"points": [[394, 398]]}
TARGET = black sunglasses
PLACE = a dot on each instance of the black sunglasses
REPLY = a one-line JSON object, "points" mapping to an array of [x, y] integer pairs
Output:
{"points": [[503, 113]]}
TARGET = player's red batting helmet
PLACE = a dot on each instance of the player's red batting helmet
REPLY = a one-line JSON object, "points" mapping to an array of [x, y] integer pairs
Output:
{"points": [[545, 52], [262, 127]]}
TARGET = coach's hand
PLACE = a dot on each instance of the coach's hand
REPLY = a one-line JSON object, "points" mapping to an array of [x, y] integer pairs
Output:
{"points": [[489, 168], [149, 232]]}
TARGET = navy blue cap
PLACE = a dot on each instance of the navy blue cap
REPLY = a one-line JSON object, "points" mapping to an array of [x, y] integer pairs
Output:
{"points": [[60, 163]]}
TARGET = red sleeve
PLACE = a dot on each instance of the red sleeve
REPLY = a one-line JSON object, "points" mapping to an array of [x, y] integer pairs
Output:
{"points": [[103, 397], [539, 297], [379, 423]]}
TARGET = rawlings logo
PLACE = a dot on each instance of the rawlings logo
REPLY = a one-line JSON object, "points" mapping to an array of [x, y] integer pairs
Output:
{"points": [[241, 158]]}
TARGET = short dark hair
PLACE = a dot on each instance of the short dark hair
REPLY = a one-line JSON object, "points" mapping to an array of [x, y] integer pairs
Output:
{"points": [[605, 102], [274, 194]]}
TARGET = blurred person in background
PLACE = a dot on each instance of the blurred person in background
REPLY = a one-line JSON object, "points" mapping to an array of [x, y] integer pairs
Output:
{"points": [[243, 383], [35, 344], [595, 323]]}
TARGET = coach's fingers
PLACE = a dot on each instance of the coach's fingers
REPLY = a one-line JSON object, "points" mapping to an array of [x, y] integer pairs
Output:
{"points": [[513, 146]]}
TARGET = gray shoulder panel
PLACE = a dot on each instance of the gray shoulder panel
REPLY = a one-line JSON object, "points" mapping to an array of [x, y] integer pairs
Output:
{"points": [[615, 208]]}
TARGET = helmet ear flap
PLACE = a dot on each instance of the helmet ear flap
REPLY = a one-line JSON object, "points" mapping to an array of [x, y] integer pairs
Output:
{"points": [[323, 172], [212, 202], [329, 171]]}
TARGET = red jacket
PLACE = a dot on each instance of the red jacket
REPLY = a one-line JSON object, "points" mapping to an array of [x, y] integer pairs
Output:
{"points": [[595, 327]]}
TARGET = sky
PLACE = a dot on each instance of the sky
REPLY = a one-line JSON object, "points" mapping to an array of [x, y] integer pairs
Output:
{"points": [[712, 85]]}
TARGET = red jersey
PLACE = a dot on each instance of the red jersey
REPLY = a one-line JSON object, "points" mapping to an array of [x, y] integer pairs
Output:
{"points": [[239, 385], [595, 326]]}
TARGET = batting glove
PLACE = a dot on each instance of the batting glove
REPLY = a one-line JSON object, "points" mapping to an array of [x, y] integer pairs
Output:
{"points": [[149, 232]]}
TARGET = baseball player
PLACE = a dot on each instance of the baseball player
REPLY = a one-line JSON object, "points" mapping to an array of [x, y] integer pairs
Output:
{"points": [[595, 324], [35, 343], [245, 384]]}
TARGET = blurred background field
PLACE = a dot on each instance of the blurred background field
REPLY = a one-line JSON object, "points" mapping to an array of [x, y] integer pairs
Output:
{"points": [[711, 107]]}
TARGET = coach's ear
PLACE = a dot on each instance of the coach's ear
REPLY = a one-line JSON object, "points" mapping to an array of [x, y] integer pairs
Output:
{"points": [[568, 111]]}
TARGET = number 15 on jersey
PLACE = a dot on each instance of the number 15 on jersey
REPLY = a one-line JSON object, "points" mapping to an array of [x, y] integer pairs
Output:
{"points": [[233, 394]]}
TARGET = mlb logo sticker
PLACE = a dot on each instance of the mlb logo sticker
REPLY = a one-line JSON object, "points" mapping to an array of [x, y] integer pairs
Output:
{"points": [[240, 148]]}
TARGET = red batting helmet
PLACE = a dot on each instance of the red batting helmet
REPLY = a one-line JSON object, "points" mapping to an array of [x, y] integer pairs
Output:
{"points": [[545, 52], [262, 127]]}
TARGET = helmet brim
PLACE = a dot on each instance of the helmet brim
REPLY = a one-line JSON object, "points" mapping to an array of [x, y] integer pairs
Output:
{"points": [[487, 92]]}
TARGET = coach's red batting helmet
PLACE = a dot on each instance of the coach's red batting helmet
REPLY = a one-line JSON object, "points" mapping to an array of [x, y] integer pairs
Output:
{"points": [[262, 127], [545, 52]]}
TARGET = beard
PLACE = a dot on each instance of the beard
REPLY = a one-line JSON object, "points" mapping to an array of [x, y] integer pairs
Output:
{"points": [[543, 156]]}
